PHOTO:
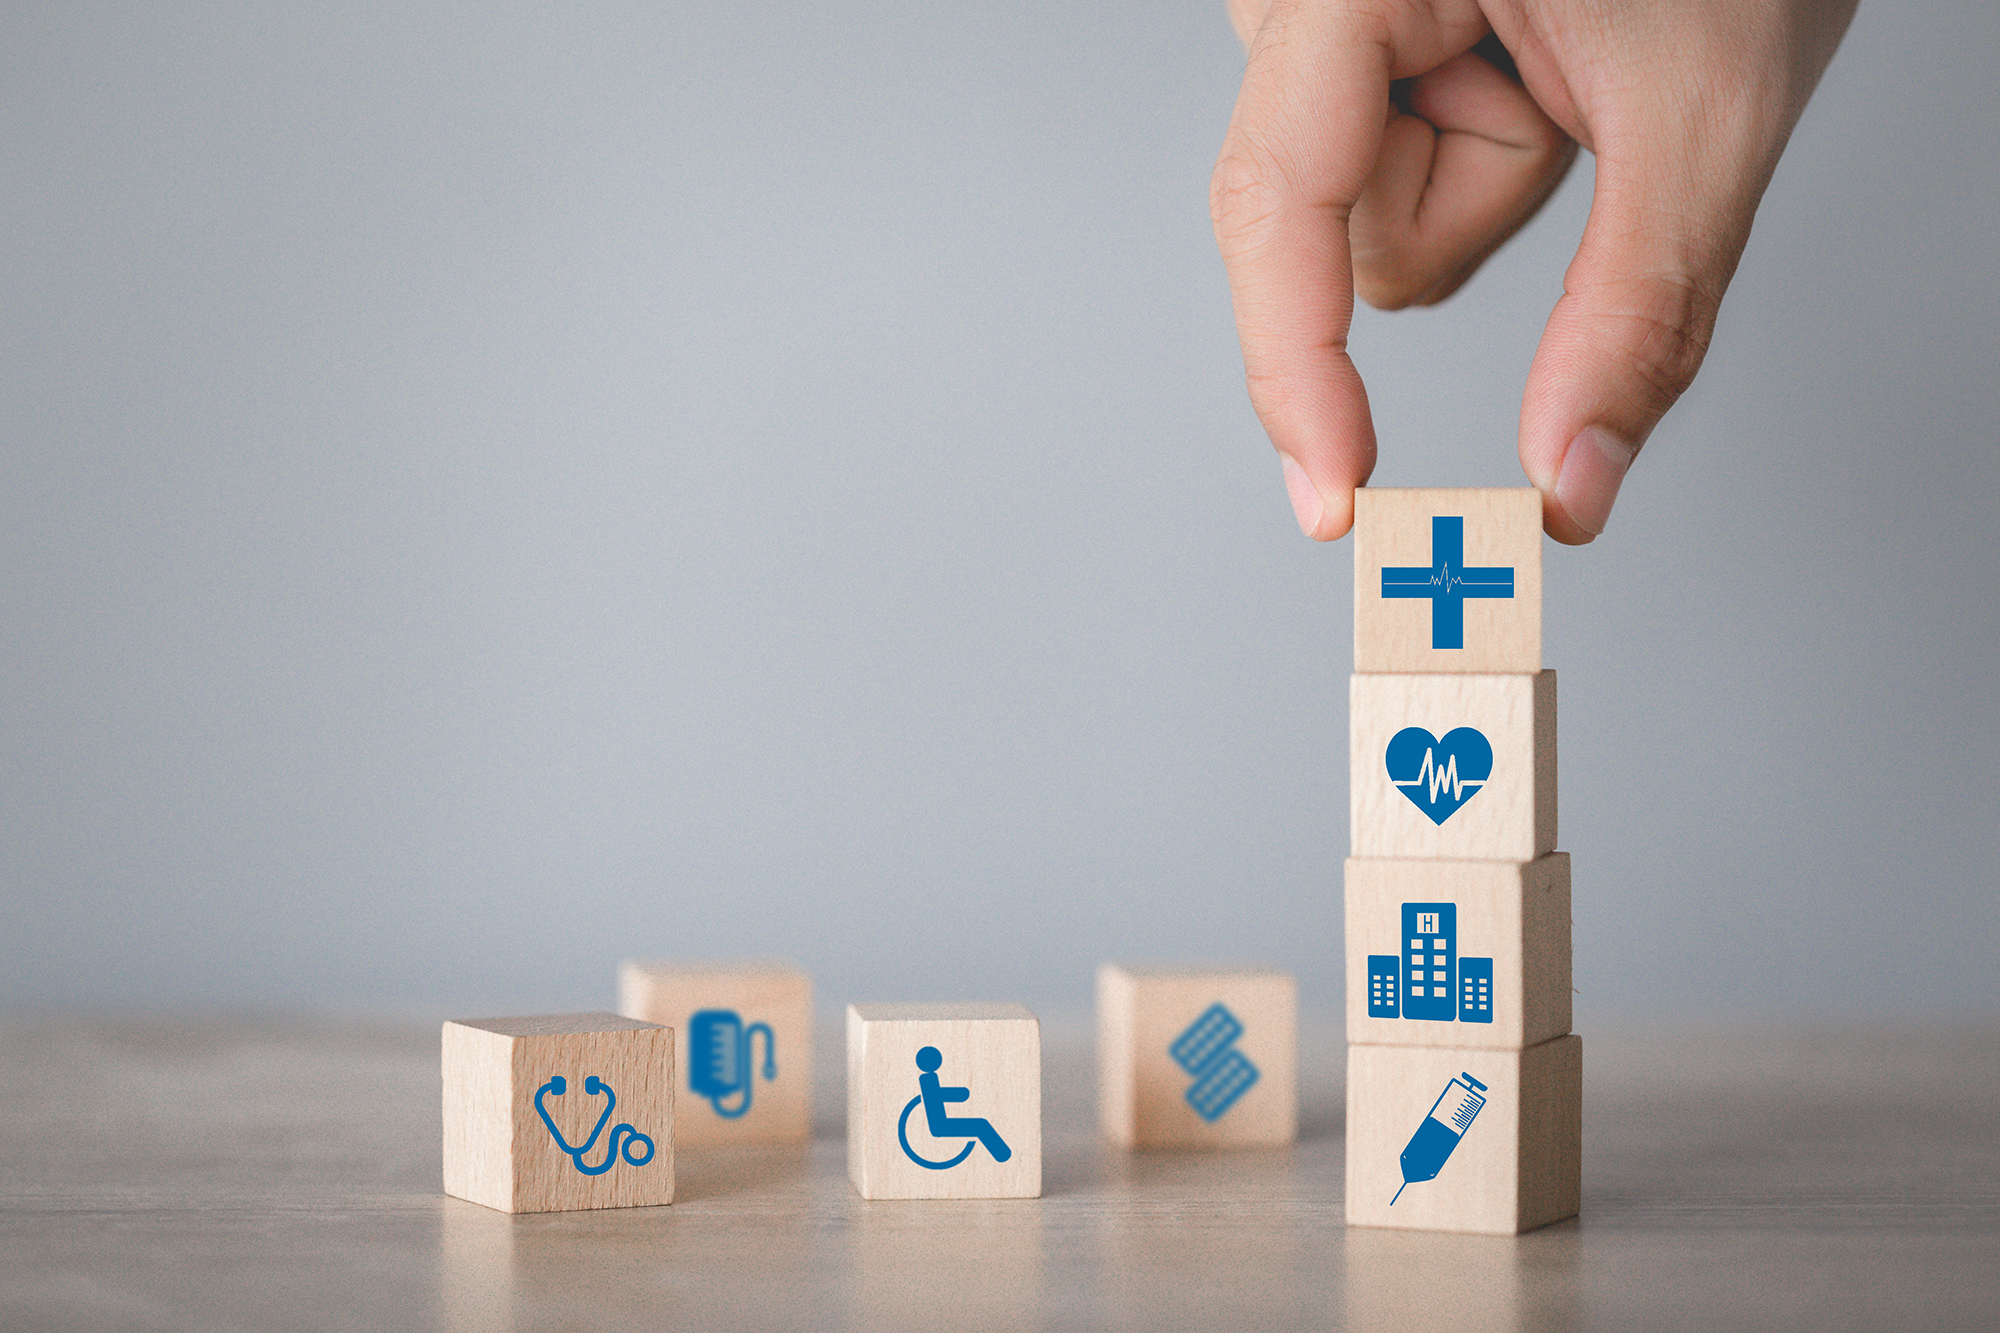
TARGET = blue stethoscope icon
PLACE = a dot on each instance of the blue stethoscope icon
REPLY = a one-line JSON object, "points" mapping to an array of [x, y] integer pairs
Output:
{"points": [[613, 1148]]}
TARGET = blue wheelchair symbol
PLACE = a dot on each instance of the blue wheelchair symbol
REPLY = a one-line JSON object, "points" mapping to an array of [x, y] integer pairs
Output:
{"points": [[613, 1148], [933, 1096]]}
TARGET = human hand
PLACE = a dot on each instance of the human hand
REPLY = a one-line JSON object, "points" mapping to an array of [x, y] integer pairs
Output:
{"points": [[1327, 186]]}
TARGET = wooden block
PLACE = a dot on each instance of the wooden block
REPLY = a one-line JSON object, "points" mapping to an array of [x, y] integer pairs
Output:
{"points": [[1447, 580], [1456, 767], [743, 1035], [558, 1111], [1197, 1057], [944, 1101], [1448, 1138], [1458, 953]]}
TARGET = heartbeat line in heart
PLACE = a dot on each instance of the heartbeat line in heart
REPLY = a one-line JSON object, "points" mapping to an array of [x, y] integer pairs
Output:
{"points": [[1441, 779]]}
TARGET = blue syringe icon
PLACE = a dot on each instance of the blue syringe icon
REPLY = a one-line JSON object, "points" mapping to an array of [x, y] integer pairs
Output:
{"points": [[1451, 1115]]}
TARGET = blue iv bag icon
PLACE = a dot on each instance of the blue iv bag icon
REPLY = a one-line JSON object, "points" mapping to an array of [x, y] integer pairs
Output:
{"points": [[1451, 1115], [719, 1064]]}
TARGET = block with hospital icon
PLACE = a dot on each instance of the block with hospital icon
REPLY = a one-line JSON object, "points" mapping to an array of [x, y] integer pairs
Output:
{"points": [[1450, 1138], [1458, 767], [743, 1043], [1447, 581], [1197, 1056], [1458, 953], [944, 1101], [555, 1112]]}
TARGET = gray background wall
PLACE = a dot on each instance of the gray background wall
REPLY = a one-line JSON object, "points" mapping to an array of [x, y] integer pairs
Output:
{"points": [[488, 490]]}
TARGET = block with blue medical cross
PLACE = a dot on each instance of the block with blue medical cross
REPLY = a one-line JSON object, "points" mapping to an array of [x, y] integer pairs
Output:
{"points": [[1447, 581]]}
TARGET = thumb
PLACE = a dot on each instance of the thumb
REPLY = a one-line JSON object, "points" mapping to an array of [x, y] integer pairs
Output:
{"points": [[1638, 309]]}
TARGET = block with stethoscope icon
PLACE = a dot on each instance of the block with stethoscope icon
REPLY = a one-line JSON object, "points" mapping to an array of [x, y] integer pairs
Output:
{"points": [[743, 1043], [558, 1111], [1448, 1138], [944, 1101]]}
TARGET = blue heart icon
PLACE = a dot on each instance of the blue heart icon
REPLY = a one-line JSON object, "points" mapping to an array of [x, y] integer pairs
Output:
{"points": [[1439, 775]]}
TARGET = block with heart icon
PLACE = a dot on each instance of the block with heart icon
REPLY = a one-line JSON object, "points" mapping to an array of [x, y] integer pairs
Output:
{"points": [[1458, 953], [1461, 767], [553, 1112]]}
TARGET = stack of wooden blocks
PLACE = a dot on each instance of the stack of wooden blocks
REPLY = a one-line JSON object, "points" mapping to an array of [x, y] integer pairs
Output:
{"points": [[1464, 1082]]}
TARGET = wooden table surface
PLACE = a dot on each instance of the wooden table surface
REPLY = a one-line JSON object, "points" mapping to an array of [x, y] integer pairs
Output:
{"points": [[240, 1172]]}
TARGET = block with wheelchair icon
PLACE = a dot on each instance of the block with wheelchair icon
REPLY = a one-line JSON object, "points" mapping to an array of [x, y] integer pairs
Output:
{"points": [[944, 1101], [1458, 953], [558, 1111], [743, 1041], [1456, 767], [1197, 1057]]}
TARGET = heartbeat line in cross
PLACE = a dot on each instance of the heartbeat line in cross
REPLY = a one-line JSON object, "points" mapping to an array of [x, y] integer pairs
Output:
{"points": [[1447, 582], [1437, 779]]}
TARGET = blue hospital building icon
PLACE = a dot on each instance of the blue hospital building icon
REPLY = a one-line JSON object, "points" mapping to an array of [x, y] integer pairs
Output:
{"points": [[1426, 979], [1207, 1050], [1447, 582]]}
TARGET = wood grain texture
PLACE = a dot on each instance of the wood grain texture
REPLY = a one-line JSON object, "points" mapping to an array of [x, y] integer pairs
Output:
{"points": [[1143, 1093], [993, 1050], [1515, 914], [779, 1110], [1519, 1163], [499, 1152], [1511, 818], [1392, 527]]}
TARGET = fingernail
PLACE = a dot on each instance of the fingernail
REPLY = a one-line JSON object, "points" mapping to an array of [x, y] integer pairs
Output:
{"points": [[1306, 501], [1592, 471]]}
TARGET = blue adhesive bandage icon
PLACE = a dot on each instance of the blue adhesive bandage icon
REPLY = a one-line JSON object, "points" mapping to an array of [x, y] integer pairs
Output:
{"points": [[1222, 1074], [1447, 582], [933, 1096], [719, 1064], [1451, 1115], [613, 1149]]}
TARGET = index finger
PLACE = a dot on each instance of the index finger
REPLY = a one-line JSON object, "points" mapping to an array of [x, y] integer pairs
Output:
{"points": [[1300, 148]]}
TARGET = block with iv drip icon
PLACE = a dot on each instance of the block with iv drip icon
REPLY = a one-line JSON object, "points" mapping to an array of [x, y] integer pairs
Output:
{"points": [[743, 1031]]}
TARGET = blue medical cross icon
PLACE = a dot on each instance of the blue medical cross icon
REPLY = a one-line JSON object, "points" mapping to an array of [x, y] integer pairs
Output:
{"points": [[1447, 582]]}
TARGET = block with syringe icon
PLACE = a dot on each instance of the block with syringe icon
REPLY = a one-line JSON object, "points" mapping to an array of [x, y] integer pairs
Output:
{"points": [[1457, 904], [1464, 1139]]}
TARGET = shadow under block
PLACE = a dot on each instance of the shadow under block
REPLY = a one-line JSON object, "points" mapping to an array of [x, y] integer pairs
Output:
{"points": [[986, 1078], [743, 1041], [1488, 1141], [1192, 1057], [1465, 567], [604, 1084], [1458, 953], [1475, 757]]}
